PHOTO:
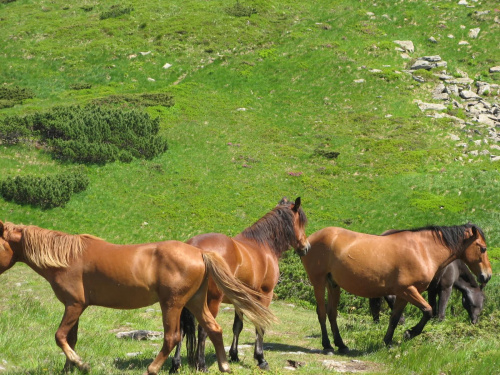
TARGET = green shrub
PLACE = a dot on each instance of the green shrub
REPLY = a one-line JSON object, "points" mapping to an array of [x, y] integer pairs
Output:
{"points": [[44, 192], [238, 10], [115, 11], [14, 130], [80, 86], [90, 134], [10, 96]]}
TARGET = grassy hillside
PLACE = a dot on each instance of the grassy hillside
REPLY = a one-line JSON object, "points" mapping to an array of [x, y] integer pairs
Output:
{"points": [[265, 105]]}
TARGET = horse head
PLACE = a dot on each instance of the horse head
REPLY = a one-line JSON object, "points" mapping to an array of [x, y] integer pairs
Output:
{"points": [[7, 255], [300, 242], [474, 254], [473, 301]]}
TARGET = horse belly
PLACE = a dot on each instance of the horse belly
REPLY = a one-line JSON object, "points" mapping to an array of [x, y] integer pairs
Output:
{"points": [[121, 297]]}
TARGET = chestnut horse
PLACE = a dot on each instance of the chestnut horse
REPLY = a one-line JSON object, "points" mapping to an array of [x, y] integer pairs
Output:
{"points": [[402, 263], [253, 258], [84, 270]]}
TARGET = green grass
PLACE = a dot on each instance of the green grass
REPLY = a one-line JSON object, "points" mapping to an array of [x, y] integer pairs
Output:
{"points": [[255, 96]]}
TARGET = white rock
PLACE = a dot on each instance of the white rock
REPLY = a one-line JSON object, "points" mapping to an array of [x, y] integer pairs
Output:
{"points": [[167, 65], [463, 43], [430, 106], [495, 69], [145, 53], [432, 40], [407, 45], [151, 79], [451, 36], [359, 80], [454, 137], [468, 94], [473, 33], [463, 2]]}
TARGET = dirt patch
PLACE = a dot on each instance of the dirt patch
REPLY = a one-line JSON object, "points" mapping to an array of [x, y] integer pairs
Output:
{"points": [[352, 366]]}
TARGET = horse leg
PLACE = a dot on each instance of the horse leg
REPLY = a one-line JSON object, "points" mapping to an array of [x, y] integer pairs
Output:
{"points": [[432, 297], [176, 360], [444, 296], [66, 337], [213, 307], [258, 353], [319, 293], [333, 302], [415, 298], [391, 299], [397, 311], [171, 337], [237, 328], [72, 338], [375, 306]]}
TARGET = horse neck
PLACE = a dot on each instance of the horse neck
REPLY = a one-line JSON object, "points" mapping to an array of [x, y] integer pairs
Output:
{"points": [[440, 254], [265, 240]]}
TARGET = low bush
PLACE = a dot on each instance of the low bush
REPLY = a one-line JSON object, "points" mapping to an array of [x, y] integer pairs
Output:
{"points": [[44, 192], [115, 11]]}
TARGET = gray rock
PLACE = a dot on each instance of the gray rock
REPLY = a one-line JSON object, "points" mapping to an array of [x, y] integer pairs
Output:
{"points": [[432, 40], [442, 96], [467, 94], [460, 81], [473, 33], [422, 64], [359, 80], [430, 106], [494, 158], [140, 335], [407, 45], [495, 69], [434, 58]]}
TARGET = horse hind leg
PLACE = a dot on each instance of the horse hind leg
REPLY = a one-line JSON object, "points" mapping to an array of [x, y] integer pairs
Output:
{"points": [[187, 325], [397, 312], [259, 351], [172, 336], [237, 328], [332, 305]]}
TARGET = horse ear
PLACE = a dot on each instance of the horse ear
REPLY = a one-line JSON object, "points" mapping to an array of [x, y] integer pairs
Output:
{"points": [[471, 233], [283, 200], [296, 205]]}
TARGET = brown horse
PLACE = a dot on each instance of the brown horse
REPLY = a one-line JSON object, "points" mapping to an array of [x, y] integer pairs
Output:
{"points": [[402, 263], [84, 270], [253, 258]]}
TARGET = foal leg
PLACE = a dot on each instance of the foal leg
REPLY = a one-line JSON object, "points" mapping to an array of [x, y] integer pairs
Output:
{"points": [[375, 306], [444, 296], [333, 302], [66, 337], [258, 353], [237, 328]]}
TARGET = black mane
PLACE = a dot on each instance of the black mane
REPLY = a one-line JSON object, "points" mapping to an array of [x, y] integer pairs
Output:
{"points": [[451, 237], [276, 228]]}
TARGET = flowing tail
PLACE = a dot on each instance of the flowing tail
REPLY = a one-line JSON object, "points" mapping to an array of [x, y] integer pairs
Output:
{"points": [[245, 300], [188, 324]]}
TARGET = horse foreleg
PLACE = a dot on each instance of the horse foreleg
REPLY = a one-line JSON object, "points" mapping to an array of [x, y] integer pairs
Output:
{"points": [[319, 293], [332, 305], [444, 296], [397, 311], [415, 298], [171, 337], [237, 328], [258, 353], [375, 306], [66, 337]]}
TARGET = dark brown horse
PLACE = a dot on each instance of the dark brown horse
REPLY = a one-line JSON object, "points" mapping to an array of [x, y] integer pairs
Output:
{"points": [[455, 275], [84, 270], [253, 258], [402, 263]]}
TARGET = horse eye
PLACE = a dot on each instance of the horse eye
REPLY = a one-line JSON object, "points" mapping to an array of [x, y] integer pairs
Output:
{"points": [[483, 249]]}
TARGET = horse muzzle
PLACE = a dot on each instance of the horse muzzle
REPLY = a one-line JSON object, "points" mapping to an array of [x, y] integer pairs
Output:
{"points": [[484, 277], [302, 251]]}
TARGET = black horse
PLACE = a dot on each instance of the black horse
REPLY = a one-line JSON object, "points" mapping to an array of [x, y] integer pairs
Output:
{"points": [[455, 275]]}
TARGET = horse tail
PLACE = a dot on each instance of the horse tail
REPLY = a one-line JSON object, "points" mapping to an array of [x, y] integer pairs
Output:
{"points": [[188, 324], [245, 300]]}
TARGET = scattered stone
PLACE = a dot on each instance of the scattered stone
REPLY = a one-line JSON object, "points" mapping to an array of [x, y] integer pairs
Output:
{"points": [[430, 106], [495, 69], [140, 335], [167, 65], [145, 53], [463, 43], [375, 71], [432, 40], [451, 36], [418, 78], [405, 56], [442, 96], [370, 14], [463, 2], [352, 366], [473, 33], [407, 45], [151, 79], [422, 64], [359, 80], [133, 354], [454, 137], [460, 81], [434, 58], [133, 56], [467, 94]]}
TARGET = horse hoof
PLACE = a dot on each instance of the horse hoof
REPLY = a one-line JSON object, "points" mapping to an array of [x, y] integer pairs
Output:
{"points": [[234, 358], [328, 351], [343, 350], [174, 369], [407, 335], [264, 366]]}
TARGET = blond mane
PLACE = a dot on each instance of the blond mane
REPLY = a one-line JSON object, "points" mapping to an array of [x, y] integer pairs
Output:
{"points": [[49, 248]]}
